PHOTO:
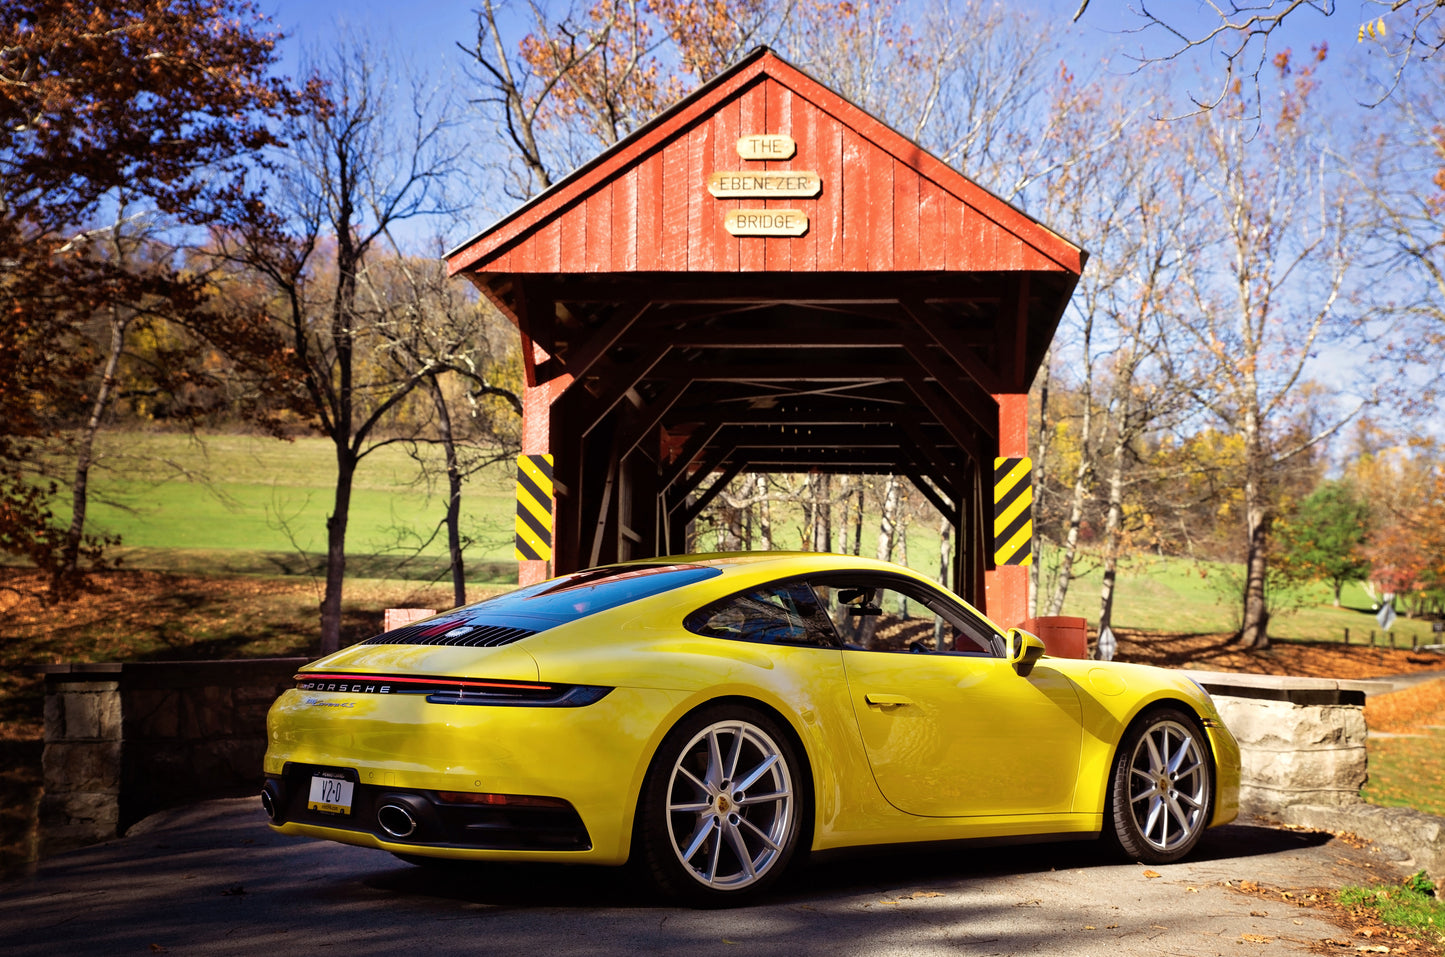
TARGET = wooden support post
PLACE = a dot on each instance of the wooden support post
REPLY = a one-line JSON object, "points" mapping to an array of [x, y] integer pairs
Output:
{"points": [[541, 428], [1005, 588]]}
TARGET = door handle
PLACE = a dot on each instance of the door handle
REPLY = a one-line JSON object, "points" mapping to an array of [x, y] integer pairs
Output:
{"points": [[887, 700]]}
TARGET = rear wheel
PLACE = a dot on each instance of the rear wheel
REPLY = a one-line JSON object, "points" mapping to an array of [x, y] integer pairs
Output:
{"points": [[720, 813], [1161, 787]]}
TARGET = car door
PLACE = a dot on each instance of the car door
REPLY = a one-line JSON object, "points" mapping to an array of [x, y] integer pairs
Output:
{"points": [[949, 727]]}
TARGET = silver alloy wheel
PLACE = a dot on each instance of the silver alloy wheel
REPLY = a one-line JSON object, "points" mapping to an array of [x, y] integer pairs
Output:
{"points": [[1168, 785], [729, 805]]}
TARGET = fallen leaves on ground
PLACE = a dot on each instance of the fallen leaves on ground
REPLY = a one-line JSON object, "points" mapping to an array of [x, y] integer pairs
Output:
{"points": [[1409, 710], [1302, 659], [1362, 923]]}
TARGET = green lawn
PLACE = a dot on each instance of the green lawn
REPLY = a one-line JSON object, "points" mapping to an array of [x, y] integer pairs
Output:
{"points": [[254, 505], [1179, 595], [1408, 771]]}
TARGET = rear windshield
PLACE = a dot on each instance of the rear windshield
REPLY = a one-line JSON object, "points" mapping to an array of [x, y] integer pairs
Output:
{"points": [[586, 593]]}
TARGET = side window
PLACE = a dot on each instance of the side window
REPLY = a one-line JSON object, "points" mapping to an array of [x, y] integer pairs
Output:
{"points": [[877, 614], [783, 613]]}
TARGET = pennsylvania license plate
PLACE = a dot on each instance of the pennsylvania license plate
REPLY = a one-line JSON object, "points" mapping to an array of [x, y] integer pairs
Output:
{"points": [[330, 794]]}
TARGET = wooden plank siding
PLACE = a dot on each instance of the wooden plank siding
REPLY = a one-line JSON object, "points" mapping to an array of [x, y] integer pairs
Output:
{"points": [[745, 254], [778, 118], [885, 204]]}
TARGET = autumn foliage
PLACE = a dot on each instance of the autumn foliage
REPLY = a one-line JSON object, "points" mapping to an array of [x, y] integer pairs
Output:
{"points": [[158, 106]]}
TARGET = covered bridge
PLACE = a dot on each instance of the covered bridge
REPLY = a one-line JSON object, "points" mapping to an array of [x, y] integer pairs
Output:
{"points": [[767, 278]]}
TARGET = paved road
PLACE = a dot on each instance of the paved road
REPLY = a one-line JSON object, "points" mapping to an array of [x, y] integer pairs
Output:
{"points": [[212, 879]]}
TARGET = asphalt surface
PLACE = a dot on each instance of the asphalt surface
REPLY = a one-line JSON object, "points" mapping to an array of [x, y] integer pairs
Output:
{"points": [[213, 879]]}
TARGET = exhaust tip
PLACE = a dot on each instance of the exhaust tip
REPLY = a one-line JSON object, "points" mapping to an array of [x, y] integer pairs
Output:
{"points": [[271, 801], [396, 820]]}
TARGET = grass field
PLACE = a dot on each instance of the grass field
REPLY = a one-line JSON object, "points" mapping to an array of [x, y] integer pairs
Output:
{"points": [[252, 505], [1178, 595], [1407, 748]]}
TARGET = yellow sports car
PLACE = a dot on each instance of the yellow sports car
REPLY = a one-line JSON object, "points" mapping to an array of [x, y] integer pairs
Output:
{"points": [[713, 717]]}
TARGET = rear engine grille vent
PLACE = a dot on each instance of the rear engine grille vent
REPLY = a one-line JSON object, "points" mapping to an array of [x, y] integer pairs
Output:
{"points": [[452, 633]]}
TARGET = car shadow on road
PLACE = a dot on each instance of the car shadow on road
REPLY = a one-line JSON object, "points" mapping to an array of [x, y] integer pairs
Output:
{"points": [[837, 873]]}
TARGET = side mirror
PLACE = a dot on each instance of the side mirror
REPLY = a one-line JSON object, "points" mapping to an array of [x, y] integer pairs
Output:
{"points": [[1024, 650]]}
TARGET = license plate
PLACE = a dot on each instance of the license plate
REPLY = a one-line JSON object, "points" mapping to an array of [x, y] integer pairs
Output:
{"points": [[330, 794]]}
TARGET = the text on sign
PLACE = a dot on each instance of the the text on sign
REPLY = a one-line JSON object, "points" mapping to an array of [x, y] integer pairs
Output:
{"points": [[766, 146], [766, 222]]}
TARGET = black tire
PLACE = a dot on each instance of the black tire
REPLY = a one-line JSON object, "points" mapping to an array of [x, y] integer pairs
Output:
{"points": [[1161, 789], [721, 810]]}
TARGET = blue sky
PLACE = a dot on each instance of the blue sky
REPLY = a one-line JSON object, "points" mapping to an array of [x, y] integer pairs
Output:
{"points": [[426, 30], [429, 30], [426, 33]]}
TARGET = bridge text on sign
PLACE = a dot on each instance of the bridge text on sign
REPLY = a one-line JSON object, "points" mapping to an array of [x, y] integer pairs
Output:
{"points": [[766, 222]]}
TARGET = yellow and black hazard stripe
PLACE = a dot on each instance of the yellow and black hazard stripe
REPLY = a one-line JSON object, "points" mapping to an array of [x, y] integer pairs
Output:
{"points": [[1013, 513], [534, 508]]}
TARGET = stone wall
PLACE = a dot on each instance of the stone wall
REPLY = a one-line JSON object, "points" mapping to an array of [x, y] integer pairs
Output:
{"points": [[1302, 740], [125, 740]]}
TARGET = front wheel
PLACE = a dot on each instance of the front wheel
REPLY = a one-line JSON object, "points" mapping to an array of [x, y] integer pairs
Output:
{"points": [[1160, 790], [720, 813]]}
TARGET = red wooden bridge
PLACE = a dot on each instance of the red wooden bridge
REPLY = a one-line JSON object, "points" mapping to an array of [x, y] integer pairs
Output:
{"points": [[767, 278]]}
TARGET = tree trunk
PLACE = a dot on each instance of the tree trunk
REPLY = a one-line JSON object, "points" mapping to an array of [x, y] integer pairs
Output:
{"points": [[858, 522], [765, 511], [888, 520], [85, 453], [1112, 536], [454, 491], [1254, 631], [945, 527], [1040, 477], [1070, 547], [1254, 627], [821, 487], [336, 549]]}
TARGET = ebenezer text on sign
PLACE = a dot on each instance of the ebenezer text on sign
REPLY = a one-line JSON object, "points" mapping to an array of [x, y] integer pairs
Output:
{"points": [[766, 222], [735, 184]]}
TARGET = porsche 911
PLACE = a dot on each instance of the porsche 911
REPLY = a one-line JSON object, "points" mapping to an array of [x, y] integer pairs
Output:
{"points": [[712, 719]]}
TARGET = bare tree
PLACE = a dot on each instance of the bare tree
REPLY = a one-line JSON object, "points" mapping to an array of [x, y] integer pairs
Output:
{"points": [[969, 80], [1245, 36], [1405, 182], [1266, 295], [1138, 208], [370, 154], [563, 84], [425, 322]]}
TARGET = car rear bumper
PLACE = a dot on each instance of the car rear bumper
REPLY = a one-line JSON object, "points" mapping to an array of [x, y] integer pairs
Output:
{"points": [[405, 753]]}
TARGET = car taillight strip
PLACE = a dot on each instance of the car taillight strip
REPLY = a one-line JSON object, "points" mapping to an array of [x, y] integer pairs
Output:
{"points": [[477, 691], [415, 685]]}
